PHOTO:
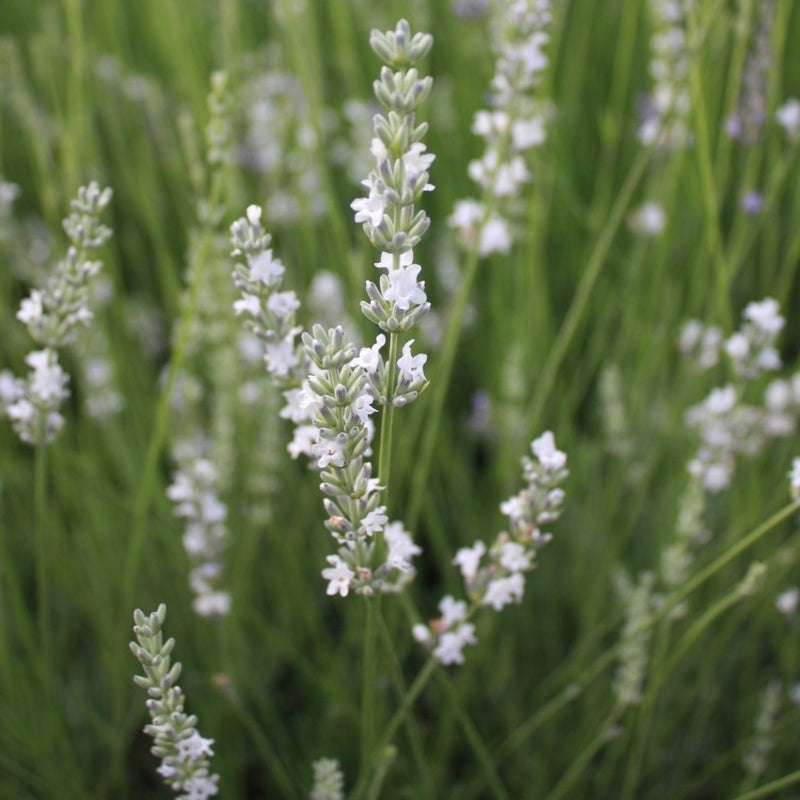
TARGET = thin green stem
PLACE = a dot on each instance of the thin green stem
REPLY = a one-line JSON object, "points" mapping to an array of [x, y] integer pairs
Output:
{"points": [[158, 435], [474, 738], [387, 422], [579, 764], [42, 563], [709, 192], [770, 788], [576, 310], [368, 682]]}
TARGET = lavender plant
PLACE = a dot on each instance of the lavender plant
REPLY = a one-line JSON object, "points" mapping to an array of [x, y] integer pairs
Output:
{"points": [[53, 315], [184, 753]]}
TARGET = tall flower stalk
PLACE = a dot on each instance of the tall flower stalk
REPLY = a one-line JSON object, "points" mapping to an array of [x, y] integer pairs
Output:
{"points": [[184, 753]]}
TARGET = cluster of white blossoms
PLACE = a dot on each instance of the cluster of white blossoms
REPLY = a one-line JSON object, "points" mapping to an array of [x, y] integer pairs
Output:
{"points": [[725, 424], [665, 121], [184, 753], [270, 314], [514, 123], [328, 780], [53, 315], [495, 576], [373, 555], [194, 492], [280, 142]]}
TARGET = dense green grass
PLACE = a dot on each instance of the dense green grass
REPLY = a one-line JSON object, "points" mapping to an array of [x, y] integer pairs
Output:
{"points": [[116, 92]]}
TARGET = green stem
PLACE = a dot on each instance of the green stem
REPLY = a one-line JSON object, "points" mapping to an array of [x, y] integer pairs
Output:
{"points": [[387, 422], [42, 562], [599, 663], [368, 681], [770, 788], [162, 414], [577, 767], [584, 291], [478, 747], [703, 150]]}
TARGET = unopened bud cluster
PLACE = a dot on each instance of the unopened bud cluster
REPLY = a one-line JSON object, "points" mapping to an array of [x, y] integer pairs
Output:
{"points": [[53, 315], [397, 181], [514, 123], [494, 576], [373, 555], [184, 753]]}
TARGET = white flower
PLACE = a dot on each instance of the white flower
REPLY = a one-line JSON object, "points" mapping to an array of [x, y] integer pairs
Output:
{"points": [[451, 643], [254, 215], [338, 576], [280, 356], [401, 547], [31, 310], [370, 209], [416, 161], [467, 560], [305, 436], [369, 358], [737, 346], [495, 237], [194, 747], [649, 219], [794, 479], [490, 123], [514, 557], [48, 381], [544, 448], [764, 315], [502, 591], [788, 116], [527, 133], [422, 634], [514, 508], [265, 268], [199, 787], [453, 611], [387, 260], [282, 304], [411, 366], [720, 401], [249, 304], [329, 451], [404, 290], [466, 214], [786, 602], [362, 406], [374, 521]]}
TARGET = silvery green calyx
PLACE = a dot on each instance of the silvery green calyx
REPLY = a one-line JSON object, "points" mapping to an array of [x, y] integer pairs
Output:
{"points": [[184, 753], [373, 554], [399, 48], [397, 181]]}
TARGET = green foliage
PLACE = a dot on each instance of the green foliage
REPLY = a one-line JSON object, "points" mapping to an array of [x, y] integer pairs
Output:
{"points": [[116, 92]]}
